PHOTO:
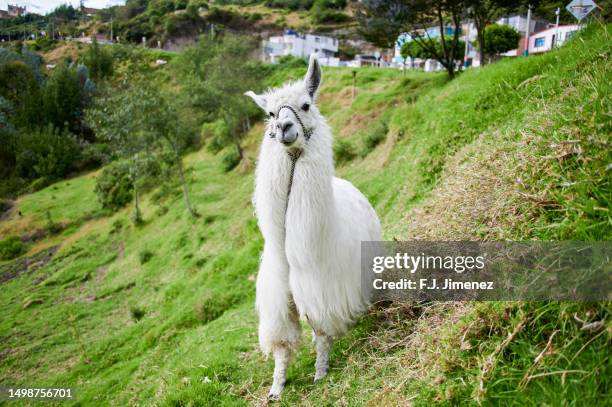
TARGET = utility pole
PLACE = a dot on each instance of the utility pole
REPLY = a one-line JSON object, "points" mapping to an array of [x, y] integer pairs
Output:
{"points": [[112, 38], [556, 41], [467, 46], [354, 90], [527, 34]]}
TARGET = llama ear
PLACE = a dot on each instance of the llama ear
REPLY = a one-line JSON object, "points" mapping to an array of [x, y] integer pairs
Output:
{"points": [[259, 99], [312, 80]]}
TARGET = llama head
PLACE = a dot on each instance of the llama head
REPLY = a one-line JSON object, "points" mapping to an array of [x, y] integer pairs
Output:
{"points": [[291, 110]]}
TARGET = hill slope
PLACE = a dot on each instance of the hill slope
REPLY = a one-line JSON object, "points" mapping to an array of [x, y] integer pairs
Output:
{"points": [[163, 313]]}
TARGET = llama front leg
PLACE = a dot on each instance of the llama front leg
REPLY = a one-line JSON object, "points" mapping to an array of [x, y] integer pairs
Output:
{"points": [[279, 327], [323, 344]]}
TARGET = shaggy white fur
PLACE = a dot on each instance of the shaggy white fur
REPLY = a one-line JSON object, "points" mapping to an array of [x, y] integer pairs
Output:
{"points": [[310, 266]]}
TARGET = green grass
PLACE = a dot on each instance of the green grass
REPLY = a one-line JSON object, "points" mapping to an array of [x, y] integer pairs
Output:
{"points": [[162, 313]]}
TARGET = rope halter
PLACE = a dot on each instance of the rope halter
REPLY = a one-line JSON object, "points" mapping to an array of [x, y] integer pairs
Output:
{"points": [[307, 132]]}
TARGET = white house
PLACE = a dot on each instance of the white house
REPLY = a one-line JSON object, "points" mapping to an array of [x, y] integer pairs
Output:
{"points": [[301, 46], [546, 40]]}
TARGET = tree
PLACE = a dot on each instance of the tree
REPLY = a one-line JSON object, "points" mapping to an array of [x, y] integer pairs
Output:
{"points": [[500, 38], [382, 21], [63, 99], [21, 91], [138, 120], [216, 74], [482, 12], [99, 61]]}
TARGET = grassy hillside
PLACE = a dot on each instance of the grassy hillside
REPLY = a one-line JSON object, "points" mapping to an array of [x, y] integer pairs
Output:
{"points": [[162, 314]]}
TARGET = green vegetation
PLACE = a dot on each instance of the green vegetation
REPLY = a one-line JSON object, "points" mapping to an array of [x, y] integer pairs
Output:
{"points": [[11, 247], [518, 150], [500, 39], [43, 131]]}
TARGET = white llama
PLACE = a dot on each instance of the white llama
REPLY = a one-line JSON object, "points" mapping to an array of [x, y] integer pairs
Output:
{"points": [[313, 225]]}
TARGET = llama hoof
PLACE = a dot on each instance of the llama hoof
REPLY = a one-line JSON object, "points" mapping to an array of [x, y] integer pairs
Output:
{"points": [[275, 392], [320, 375], [273, 396]]}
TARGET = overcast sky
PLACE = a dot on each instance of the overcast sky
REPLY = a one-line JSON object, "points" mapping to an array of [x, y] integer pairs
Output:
{"points": [[44, 6]]}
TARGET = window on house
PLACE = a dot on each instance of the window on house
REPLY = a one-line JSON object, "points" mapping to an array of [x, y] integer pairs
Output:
{"points": [[539, 42]]}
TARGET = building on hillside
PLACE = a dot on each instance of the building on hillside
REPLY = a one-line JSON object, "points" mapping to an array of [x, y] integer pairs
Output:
{"points": [[16, 11], [90, 11], [301, 46], [546, 40], [362, 60], [541, 34], [519, 23], [13, 11], [431, 32]]}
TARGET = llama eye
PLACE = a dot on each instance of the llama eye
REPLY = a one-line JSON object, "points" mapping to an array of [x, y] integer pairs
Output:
{"points": [[305, 107], [271, 114]]}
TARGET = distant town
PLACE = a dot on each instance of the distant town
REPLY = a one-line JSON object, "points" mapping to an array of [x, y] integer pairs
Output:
{"points": [[537, 35]]}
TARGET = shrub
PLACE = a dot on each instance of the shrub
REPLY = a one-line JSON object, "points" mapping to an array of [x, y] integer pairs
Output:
{"points": [[375, 136], [344, 151], [38, 184], [11, 247], [99, 61], [43, 44], [218, 134], [290, 4], [94, 155], [500, 38], [47, 152], [255, 17], [63, 98], [231, 159], [325, 11], [137, 313], [51, 226], [114, 187], [5, 205], [144, 256]]}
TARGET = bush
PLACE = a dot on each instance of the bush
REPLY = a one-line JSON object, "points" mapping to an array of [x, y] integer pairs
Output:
{"points": [[136, 313], [114, 187], [325, 11], [99, 61], [231, 159], [63, 98], [375, 136], [42, 44], [255, 17], [48, 153], [39, 184], [290, 4], [144, 256], [500, 38], [5, 205], [11, 247], [344, 151], [218, 134], [94, 155]]}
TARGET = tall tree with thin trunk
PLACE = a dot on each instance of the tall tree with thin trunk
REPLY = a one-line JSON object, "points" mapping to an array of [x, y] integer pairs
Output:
{"points": [[484, 12], [381, 21], [139, 122]]}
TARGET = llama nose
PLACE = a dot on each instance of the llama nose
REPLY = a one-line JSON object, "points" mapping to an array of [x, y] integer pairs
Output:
{"points": [[286, 126]]}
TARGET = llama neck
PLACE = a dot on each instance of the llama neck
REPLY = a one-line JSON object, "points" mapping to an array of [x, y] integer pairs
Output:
{"points": [[310, 206]]}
